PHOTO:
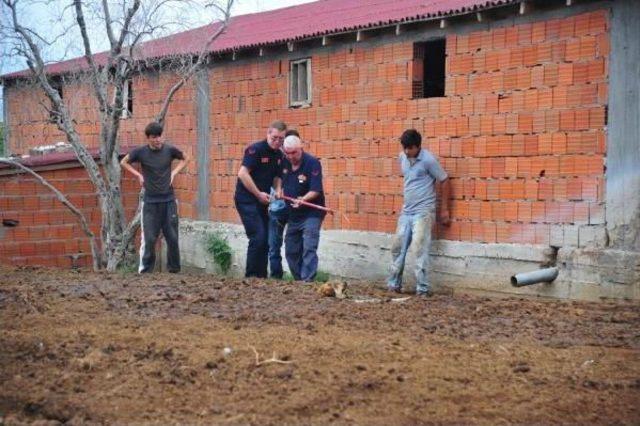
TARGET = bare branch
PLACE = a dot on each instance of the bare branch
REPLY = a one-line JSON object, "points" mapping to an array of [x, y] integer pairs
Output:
{"points": [[226, 12], [95, 75], [37, 66], [108, 23], [273, 360], [125, 27], [60, 196], [192, 70]]}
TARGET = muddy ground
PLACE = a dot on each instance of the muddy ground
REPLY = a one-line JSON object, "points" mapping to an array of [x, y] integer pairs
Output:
{"points": [[98, 348]]}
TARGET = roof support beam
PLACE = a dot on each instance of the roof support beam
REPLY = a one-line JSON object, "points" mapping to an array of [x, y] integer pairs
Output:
{"points": [[398, 29], [326, 41], [261, 52], [569, 2], [290, 46], [233, 55], [524, 8], [443, 23], [479, 16]]}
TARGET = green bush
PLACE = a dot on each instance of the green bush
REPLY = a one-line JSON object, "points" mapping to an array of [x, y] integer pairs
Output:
{"points": [[219, 248]]}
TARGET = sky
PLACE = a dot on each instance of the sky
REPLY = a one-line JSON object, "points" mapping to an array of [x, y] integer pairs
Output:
{"points": [[69, 47]]}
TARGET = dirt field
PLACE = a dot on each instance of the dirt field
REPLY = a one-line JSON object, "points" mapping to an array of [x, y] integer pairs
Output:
{"points": [[97, 348]]}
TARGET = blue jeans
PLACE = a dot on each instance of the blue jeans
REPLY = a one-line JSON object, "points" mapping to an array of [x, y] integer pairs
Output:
{"points": [[415, 228], [276, 230], [256, 226], [301, 247]]}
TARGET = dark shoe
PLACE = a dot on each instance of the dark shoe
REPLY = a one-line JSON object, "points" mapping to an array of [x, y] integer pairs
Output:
{"points": [[395, 290], [425, 294]]}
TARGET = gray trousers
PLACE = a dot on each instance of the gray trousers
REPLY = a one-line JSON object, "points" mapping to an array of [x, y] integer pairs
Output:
{"points": [[158, 217]]}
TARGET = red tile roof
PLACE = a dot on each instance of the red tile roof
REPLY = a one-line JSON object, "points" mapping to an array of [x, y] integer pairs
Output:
{"points": [[294, 23]]}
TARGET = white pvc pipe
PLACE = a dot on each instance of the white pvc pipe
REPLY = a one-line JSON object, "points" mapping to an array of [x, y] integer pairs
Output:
{"points": [[534, 277]]}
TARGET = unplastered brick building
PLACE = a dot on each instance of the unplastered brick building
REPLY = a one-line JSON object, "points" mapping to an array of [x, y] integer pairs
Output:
{"points": [[532, 108]]}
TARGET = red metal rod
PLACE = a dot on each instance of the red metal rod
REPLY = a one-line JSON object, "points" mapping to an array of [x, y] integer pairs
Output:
{"points": [[308, 204]]}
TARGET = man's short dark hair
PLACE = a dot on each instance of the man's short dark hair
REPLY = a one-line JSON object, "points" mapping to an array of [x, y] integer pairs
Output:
{"points": [[292, 132], [411, 138], [153, 129], [278, 125]]}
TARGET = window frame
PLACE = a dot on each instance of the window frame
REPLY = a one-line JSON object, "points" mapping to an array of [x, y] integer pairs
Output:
{"points": [[127, 99], [420, 89], [297, 102]]}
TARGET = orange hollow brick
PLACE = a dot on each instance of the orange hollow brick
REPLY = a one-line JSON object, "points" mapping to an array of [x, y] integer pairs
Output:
{"points": [[598, 22]]}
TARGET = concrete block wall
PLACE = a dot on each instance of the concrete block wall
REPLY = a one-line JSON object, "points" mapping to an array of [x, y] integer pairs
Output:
{"points": [[48, 234]]}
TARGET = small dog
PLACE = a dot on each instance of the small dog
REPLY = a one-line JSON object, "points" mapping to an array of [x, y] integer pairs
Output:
{"points": [[336, 289]]}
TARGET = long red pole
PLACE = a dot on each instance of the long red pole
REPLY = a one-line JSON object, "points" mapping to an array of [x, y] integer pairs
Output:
{"points": [[308, 204]]}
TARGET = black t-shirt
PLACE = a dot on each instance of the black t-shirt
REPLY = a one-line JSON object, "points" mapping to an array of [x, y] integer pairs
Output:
{"points": [[308, 177], [264, 165], [156, 169]]}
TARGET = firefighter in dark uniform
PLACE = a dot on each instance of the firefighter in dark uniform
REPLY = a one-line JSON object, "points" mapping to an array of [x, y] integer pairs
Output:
{"points": [[260, 170], [302, 179]]}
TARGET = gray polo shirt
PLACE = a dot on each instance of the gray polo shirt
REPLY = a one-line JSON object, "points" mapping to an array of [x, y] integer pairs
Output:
{"points": [[419, 181]]}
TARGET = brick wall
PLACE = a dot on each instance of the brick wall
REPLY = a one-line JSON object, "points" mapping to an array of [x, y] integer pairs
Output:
{"points": [[29, 126], [48, 234], [521, 129]]}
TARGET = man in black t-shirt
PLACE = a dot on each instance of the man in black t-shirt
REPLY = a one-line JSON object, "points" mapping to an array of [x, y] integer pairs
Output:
{"points": [[159, 208], [260, 170]]}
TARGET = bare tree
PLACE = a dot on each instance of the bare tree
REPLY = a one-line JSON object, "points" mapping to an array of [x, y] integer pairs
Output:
{"points": [[126, 25]]}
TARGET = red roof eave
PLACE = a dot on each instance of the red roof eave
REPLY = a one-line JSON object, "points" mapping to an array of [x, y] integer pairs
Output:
{"points": [[294, 23]]}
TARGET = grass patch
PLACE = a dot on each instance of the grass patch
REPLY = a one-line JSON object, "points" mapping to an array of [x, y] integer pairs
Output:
{"points": [[127, 268], [219, 248], [321, 277]]}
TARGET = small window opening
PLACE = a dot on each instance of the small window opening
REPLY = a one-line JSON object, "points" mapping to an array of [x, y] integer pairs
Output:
{"points": [[429, 62], [127, 97], [57, 85], [300, 82]]}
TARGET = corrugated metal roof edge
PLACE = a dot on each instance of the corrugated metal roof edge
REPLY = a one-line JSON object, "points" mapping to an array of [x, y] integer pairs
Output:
{"points": [[489, 4], [379, 24]]}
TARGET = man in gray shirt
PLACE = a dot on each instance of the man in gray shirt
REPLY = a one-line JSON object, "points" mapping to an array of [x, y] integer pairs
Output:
{"points": [[159, 207], [421, 171]]}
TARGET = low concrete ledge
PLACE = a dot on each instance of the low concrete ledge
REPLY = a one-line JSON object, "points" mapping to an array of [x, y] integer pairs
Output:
{"points": [[586, 274]]}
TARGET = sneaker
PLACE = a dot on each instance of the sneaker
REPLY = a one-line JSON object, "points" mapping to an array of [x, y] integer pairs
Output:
{"points": [[395, 290], [425, 294]]}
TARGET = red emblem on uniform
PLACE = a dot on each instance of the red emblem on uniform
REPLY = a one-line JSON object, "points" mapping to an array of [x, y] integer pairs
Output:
{"points": [[264, 160]]}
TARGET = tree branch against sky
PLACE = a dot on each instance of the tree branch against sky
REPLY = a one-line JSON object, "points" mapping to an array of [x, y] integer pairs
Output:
{"points": [[123, 25], [57, 18]]}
